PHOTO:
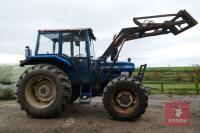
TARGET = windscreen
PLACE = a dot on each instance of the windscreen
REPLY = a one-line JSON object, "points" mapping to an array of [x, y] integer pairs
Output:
{"points": [[48, 43]]}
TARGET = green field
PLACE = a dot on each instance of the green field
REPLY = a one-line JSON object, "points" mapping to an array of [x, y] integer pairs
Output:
{"points": [[172, 79]]}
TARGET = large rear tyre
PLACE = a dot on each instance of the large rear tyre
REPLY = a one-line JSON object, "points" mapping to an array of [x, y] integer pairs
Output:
{"points": [[124, 99], [43, 91], [73, 99]]}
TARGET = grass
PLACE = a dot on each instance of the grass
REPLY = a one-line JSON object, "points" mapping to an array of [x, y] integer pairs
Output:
{"points": [[177, 92], [172, 86], [179, 89], [170, 69]]}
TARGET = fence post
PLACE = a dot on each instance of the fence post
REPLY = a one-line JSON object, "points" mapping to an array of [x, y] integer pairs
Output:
{"points": [[196, 82], [162, 88], [197, 88]]}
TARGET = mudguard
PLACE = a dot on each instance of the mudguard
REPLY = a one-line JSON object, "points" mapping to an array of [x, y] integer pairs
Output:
{"points": [[45, 59]]}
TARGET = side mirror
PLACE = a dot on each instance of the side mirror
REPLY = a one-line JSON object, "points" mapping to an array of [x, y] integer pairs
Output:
{"points": [[77, 41], [114, 54]]}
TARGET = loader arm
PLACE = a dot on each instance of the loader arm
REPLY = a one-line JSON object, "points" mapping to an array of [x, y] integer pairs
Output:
{"points": [[179, 23]]}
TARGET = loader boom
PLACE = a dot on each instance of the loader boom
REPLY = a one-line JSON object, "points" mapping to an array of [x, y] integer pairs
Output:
{"points": [[179, 23]]}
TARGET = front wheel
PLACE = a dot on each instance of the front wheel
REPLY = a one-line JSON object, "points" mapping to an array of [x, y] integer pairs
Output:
{"points": [[124, 99]]}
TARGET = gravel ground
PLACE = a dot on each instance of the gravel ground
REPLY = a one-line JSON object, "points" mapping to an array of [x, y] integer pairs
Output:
{"points": [[93, 118]]}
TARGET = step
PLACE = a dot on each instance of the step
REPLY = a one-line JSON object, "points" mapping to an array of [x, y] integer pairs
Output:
{"points": [[85, 101], [86, 94]]}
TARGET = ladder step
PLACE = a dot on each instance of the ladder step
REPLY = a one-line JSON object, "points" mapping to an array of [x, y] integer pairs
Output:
{"points": [[86, 94], [85, 101], [85, 97]]}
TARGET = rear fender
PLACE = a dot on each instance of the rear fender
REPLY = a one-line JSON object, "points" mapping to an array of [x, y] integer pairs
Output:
{"points": [[62, 63], [50, 59]]}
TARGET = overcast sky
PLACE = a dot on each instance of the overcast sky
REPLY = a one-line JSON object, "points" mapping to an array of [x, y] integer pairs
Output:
{"points": [[20, 20]]}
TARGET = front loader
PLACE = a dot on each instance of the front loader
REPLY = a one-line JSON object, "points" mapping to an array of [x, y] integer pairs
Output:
{"points": [[63, 69]]}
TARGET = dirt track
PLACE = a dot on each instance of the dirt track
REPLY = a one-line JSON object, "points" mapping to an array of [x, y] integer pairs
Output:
{"points": [[93, 118]]}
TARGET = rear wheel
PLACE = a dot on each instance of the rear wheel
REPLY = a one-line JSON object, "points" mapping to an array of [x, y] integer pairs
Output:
{"points": [[40, 91], [73, 99], [75, 94], [124, 99], [43, 91]]}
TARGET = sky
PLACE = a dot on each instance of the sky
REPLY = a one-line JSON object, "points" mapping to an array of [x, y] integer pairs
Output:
{"points": [[20, 20]]}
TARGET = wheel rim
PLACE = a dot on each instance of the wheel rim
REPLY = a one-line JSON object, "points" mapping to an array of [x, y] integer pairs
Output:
{"points": [[125, 101], [40, 91]]}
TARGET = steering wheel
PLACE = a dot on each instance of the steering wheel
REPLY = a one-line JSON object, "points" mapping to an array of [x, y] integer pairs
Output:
{"points": [[66, 56], [79, 55]]}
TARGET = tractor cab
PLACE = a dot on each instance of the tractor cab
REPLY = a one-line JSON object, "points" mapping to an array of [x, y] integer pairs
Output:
{"points": [[65, 42], [67, 48]]}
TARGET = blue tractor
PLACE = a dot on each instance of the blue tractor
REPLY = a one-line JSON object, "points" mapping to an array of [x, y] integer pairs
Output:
{"points": [[63, 69]]}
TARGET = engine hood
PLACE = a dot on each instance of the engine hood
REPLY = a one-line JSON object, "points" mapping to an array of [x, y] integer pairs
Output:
{"points": [[118, 66]]}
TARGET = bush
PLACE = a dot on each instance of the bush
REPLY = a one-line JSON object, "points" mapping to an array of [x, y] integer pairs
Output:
{"points": [[7, 94], [6, 74]]}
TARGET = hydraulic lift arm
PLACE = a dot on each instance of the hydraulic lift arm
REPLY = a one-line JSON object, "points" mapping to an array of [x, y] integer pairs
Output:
{"points": [[179, 23]]}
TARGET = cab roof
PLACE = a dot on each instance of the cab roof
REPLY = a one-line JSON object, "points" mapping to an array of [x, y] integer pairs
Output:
{"points": [[74, 31]]}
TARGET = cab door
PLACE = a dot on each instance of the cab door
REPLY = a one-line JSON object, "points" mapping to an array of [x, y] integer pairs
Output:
{"points": [[81, 60]]}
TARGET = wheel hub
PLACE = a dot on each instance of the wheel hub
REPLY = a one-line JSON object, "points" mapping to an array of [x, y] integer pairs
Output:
{"points": [[40, 91], [124, 99], [43, 91]]}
